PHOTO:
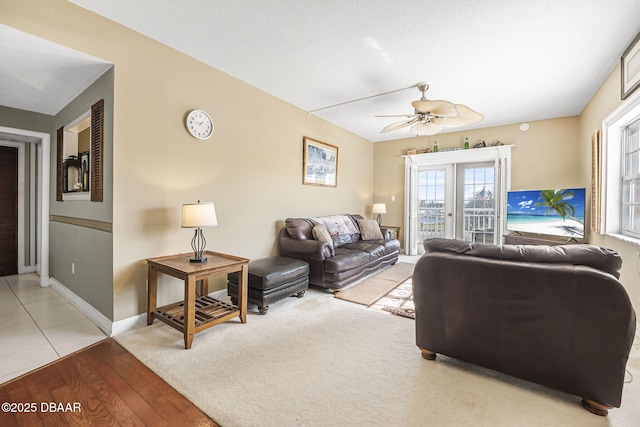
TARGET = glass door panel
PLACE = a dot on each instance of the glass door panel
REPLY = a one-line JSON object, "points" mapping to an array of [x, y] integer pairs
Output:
{"points": [[434, 203], [476, 203]]}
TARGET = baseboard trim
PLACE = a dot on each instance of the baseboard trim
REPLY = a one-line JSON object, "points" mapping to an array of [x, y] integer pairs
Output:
{"points": [[102, 321], [105, 324], [125, 325], [24, 269]]}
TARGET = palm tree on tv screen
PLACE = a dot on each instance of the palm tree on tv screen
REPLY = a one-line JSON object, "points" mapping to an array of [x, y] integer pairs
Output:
{"points": [[555, 200]]}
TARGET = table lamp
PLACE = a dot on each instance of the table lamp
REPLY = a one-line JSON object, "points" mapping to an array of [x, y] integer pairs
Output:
{"points": [[198, 215], [379, 208]]}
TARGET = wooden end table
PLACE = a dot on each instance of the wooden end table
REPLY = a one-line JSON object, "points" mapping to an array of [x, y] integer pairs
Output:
{"points": [[196, 313]]}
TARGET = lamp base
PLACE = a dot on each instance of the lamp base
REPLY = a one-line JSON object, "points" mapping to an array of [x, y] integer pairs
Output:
{"points": [[197, 260]]}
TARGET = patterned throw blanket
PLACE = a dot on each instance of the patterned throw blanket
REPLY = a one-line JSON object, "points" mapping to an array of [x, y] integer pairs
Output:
{"points": [[338, 224]]}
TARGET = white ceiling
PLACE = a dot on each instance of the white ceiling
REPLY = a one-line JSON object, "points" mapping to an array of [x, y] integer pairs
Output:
{"points": [[511, 60], [41, 76]]}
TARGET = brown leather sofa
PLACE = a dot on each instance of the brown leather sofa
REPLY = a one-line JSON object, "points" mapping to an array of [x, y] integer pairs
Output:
{"points": [[556, 316], [345, 257]]}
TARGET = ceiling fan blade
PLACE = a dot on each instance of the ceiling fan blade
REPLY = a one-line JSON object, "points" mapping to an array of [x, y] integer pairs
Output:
{"points": [[399, 125], [436, 108], [425, 128], [466, 116], [400, 115]]}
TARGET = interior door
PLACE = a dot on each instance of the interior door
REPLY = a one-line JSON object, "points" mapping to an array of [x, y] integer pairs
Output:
{"points": [[8, 210]]}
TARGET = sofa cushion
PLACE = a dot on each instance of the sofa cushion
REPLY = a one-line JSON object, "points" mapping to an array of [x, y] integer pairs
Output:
{"points": [[603, 259], [373, 248], [390, 246], [369, 229], [320, 233], [345, 259]]}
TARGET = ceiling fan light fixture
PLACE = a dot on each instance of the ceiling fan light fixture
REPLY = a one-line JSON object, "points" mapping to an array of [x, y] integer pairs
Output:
{"points": [[425, 129]]}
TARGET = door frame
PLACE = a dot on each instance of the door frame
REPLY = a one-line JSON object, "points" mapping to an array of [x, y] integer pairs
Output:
{"points": [[500, 155], [41, 175]]}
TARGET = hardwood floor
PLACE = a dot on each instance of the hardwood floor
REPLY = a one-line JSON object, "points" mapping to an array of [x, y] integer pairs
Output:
{"points": [[101, 385]]}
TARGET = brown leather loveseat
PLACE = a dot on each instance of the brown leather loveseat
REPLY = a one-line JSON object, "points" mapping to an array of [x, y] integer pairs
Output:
{"points": [[340, 249], [556, 316]]}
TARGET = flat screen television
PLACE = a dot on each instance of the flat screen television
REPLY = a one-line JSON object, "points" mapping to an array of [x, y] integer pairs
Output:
{"points": [[547, 212]]}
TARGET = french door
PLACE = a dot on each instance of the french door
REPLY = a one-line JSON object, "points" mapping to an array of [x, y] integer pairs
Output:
{"points": [[460, 194], [435, 203]]}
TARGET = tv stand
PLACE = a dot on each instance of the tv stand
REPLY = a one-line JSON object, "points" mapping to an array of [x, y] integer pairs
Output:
{"points": [[519, 239]]}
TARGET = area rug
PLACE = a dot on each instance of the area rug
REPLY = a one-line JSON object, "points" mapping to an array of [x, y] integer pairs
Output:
{"points": [[398, 300], [375, 287], [321, 361]]}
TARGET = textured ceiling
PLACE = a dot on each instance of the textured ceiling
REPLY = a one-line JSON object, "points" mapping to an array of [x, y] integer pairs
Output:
{"points": [[513, 61], [41, 76]]}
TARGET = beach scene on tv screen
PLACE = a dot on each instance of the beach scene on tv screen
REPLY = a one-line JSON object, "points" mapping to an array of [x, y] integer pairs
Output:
{"points": [[550, 212]]}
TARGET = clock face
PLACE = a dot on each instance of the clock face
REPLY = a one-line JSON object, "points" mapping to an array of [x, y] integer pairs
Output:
{"points": [[199, 124]]}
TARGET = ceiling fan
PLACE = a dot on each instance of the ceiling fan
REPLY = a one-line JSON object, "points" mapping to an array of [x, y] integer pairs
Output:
{"points": [[430, 117]]}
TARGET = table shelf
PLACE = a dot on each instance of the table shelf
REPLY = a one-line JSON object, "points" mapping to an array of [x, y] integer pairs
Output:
{"points": [[209, 312]]}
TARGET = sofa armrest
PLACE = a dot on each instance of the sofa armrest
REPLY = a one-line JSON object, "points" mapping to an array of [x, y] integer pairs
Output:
{"points": [[303, 249], [386, 233]]}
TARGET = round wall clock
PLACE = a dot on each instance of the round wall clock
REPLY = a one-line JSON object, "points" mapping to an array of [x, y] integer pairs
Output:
{"points": [[199, 124]]}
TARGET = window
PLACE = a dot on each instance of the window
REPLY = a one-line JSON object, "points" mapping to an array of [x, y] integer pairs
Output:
{"points": [[630, 209], [620, 204]]}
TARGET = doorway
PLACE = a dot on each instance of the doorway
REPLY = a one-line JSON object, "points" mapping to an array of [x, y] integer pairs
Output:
{"points": [[40, 180], [8, 211]]}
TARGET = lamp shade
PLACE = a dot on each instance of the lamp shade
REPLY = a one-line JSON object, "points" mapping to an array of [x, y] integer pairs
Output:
{"points": [[379, 208], [196, 215]]}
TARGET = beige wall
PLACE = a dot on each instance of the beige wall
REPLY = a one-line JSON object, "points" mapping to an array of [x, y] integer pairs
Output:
{"points": [[547, 155], [251, 167], [603, 103]]}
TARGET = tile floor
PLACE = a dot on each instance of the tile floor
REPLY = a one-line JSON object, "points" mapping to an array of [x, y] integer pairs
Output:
{"points": [[38, 326]]}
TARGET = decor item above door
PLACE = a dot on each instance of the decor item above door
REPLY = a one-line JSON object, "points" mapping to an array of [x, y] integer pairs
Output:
{"points": [[199, 124], [430, 117]]}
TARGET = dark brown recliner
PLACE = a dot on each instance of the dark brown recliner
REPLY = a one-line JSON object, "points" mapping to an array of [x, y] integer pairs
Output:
{"points": [[556, 316]]}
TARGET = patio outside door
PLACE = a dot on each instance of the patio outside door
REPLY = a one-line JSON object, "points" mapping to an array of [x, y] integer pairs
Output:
{"points": [[457, 194], [476, 213], [435, 210]]}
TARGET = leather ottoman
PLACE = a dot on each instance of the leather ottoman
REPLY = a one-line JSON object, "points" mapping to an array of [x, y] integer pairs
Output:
{"points": [[270, 280]]}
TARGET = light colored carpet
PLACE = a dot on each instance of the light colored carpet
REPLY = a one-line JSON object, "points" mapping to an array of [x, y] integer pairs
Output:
{"points": [[321, 361], [372, 289]]}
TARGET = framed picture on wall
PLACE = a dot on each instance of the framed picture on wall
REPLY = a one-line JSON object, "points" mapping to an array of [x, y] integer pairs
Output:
{"points": [[630, 68], [319, 163]]}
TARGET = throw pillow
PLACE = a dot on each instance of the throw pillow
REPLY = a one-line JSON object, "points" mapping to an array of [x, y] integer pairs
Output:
{"points": [[369, 229], [321, 233]]}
